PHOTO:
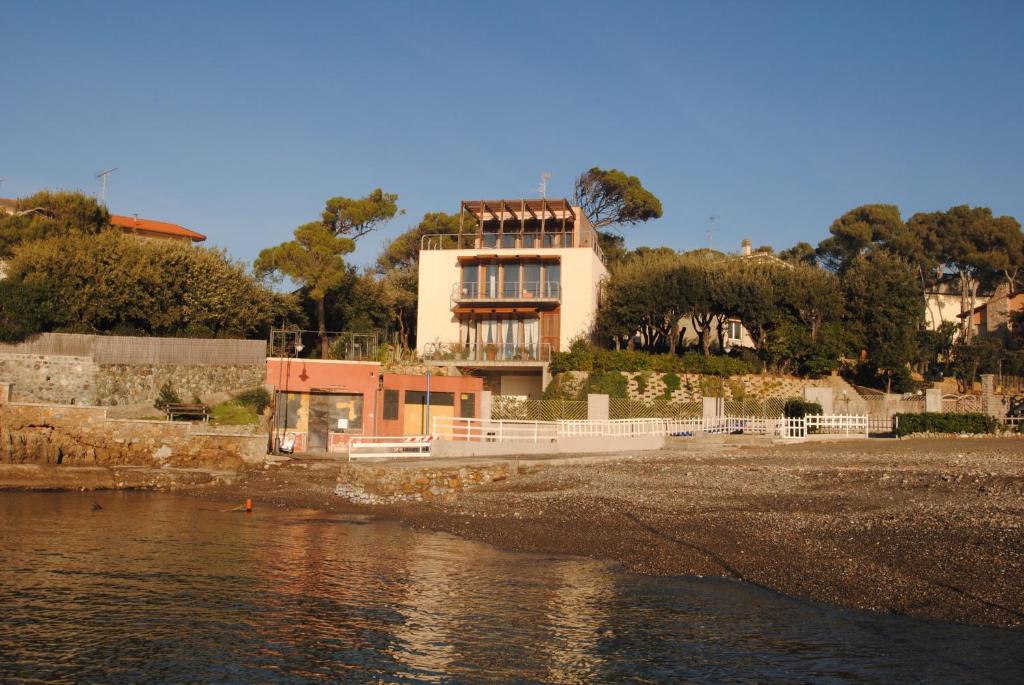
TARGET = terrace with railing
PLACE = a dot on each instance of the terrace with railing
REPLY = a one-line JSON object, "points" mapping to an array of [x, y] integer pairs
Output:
{"points": [[517, 224], [487, 352], [532, 291]]}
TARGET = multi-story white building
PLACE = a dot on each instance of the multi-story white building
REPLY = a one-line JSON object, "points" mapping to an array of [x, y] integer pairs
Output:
{"points": [[519, 282]]}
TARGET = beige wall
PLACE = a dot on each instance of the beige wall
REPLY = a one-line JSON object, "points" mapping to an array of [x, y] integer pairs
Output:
{"points": [[582, 272], [944, 307], [526, 385]]}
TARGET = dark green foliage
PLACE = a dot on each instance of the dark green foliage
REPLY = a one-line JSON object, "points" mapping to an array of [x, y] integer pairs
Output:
{"points": [[582, 357], [167, 395], [672, 383], [641, 383], [944, 422], [609, 197], [258, 399], [49, 213], [981, 355], [884, 304], [611, 383], [24, 310], [798, 408]]}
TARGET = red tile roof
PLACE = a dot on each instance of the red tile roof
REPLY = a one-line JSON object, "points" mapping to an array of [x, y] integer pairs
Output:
{"points": [[149, 226]]}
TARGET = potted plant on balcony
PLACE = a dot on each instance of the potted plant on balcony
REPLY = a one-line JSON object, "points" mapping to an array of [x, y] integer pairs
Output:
{"points": [[491, 350]]}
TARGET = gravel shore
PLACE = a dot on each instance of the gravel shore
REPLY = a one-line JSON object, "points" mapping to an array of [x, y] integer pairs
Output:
{"points": [[925, 527]]}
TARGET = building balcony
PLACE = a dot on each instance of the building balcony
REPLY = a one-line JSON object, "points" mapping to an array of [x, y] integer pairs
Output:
{"points": [[538, 292], [486, 353], [581, 238]]}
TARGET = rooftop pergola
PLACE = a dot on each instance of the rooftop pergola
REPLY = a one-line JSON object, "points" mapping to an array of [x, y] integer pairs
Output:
{"points": [[517, 212]]}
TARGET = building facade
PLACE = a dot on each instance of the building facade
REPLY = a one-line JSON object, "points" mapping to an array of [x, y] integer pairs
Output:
{"points": [[320, 404], [520, 281]]}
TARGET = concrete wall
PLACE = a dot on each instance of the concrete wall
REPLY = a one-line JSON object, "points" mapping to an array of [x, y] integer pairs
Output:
{"points": [[84, 436]]}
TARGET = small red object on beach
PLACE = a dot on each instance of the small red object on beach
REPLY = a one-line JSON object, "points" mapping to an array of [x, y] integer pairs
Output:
{"points": [[248, 504]]}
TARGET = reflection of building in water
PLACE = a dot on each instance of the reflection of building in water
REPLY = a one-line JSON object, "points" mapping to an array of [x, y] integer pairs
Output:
{"points": [[578, 612]]}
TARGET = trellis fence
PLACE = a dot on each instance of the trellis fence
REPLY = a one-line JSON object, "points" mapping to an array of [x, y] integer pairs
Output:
{"points": [[512, 408]]}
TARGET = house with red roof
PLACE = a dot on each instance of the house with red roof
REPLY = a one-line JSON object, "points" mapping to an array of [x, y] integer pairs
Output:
{"points": [[148, 229]]}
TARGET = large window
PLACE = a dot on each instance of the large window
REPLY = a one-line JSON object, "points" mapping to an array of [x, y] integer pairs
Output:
{"points": [[491, 280], [510, 281], [470, 280], [509, 337], [553, 279], [531, 279]]}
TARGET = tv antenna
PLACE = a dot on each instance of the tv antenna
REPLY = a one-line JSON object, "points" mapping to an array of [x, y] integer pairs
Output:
{"points": [[711, 227], [544, 178], [102, 176]]}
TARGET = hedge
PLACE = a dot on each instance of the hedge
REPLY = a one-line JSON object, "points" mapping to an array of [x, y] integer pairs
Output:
{"points": [[944, 422], [798, 408], [584, 358]]}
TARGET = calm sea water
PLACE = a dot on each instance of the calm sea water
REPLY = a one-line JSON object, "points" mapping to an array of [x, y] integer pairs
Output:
{"points": [[157, 588]]}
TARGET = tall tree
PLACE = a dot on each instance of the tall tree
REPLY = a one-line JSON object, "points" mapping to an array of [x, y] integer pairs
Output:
{"points": [[355, 217], [864, 228], [883, 309], [974, 247], [315, 259], [610, 197]]}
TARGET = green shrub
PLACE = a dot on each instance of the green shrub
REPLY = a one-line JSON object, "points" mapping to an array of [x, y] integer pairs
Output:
{"points": [[611, 383], [167, 395], [582, 357], [798, 408], [944, 422], [641, 383], [234, 413], [672, 383], [257, 399]]}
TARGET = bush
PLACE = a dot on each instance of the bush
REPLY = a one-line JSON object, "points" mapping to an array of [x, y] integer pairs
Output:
{"points": [[257, 399], [611, 383], [582, 357], [167, 395], [641, 383], [672, 383], [944, 422], [234, 413], [798, 408]]}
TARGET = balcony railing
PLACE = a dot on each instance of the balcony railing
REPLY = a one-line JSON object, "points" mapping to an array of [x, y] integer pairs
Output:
{"points": [[533, 291], [511, 241], [487, 352]]}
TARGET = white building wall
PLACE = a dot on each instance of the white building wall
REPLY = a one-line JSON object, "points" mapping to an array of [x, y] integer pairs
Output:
{"points": [[582, 273]]}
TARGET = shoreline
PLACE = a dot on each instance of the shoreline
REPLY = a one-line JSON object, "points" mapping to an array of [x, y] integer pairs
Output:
{"points": [[922, 527]]}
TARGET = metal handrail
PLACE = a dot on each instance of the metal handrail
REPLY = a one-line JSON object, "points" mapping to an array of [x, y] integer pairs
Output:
{"points": [[529, 290], [501, 352], [512, 241]]}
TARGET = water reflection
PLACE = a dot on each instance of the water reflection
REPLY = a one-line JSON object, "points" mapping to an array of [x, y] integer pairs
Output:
{"points": [[159, 588]]}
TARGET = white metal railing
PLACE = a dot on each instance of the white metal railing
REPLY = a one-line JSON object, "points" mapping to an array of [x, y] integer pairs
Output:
{"points": [[488, 352], [389, 446], [495, 430], [497, 292]]}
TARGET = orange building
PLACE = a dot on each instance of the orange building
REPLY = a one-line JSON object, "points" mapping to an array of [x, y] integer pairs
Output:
{"points": [[320, 404]]}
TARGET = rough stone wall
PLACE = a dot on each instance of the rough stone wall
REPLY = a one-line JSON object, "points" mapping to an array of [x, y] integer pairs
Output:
{"points": [[84, 436], [118, 384], [369, 484], [60, 379], [56, 379]]}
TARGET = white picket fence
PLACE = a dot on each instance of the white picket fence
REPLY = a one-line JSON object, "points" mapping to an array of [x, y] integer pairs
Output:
{"points": [[484, 430]]}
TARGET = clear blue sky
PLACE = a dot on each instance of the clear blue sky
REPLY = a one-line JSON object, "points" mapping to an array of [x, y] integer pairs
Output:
{"points": [[239, 119]]}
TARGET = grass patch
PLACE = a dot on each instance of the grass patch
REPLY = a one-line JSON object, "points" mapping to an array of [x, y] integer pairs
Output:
{"points": [[234, 413]]}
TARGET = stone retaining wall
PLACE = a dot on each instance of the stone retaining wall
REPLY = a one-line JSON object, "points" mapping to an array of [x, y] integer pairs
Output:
{"points": [[61, 379], [84, 436], [648, 386], [370, 484]]}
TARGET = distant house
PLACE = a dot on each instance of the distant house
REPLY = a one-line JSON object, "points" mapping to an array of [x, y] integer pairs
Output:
{"points": [[994, 318], [147, 229]]}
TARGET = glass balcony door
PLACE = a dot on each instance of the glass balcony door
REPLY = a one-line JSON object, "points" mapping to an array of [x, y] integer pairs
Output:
{"points": [[490, 280], [510, 281], [470, 280]]}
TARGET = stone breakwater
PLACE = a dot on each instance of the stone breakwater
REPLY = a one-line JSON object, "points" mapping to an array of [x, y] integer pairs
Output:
{"points": [[369, 484], [84, 436]]}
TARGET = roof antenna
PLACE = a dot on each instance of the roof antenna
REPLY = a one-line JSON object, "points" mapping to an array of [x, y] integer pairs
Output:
{"points": [[544, 178], [102, 176], [711, 227]]}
